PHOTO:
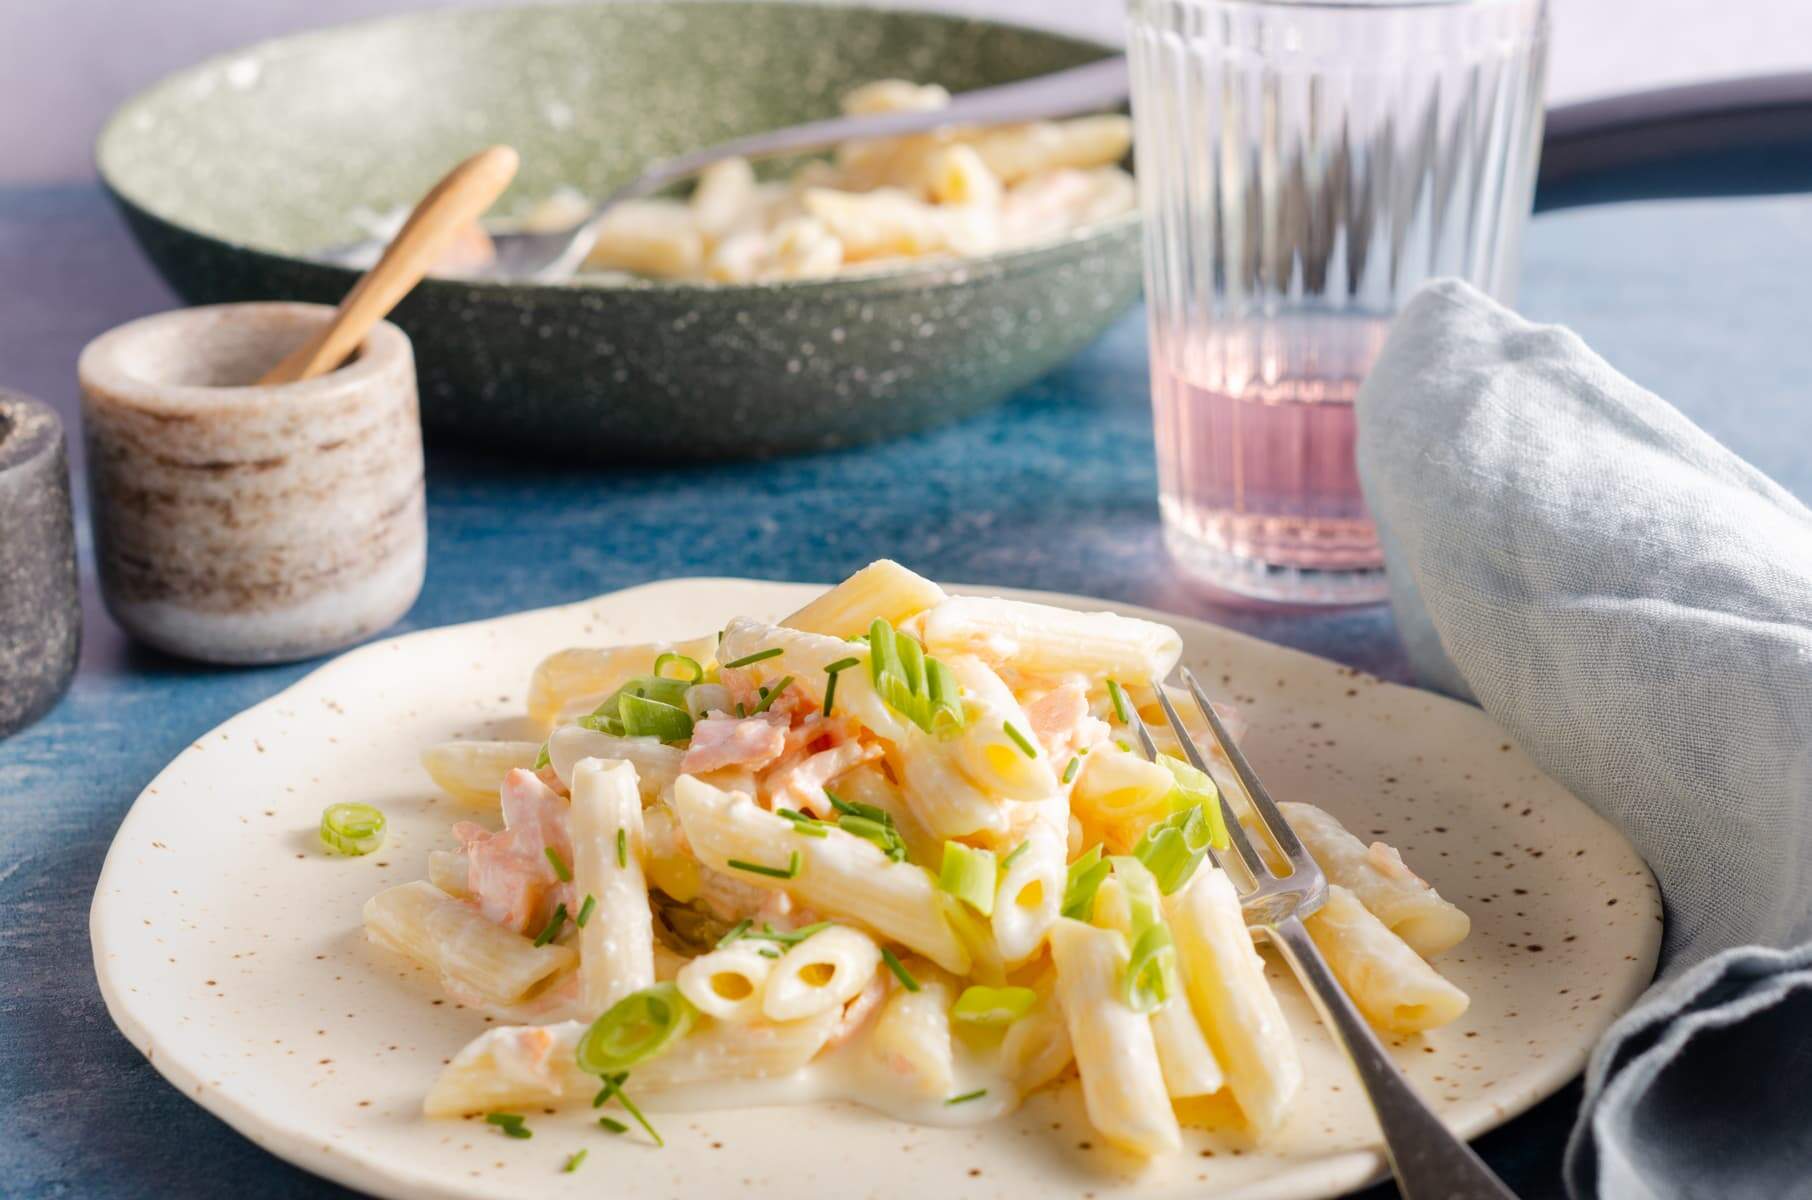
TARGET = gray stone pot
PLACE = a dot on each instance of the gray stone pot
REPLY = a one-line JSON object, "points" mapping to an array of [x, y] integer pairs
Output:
{"points": [[40, 609]]}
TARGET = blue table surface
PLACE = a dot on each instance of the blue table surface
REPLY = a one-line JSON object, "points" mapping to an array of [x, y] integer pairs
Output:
{"points": [[1704, 301]]}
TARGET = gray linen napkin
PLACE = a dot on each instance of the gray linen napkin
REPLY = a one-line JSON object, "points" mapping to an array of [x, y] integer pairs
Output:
{"points": [[1634, 604]]}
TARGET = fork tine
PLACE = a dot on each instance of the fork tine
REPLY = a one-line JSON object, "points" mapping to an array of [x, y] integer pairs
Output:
{"points": [[1256, 867], [1285, 837]]}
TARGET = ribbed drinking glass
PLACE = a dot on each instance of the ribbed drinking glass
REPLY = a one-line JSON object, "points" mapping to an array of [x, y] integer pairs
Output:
{"points": [[1302, 167]]}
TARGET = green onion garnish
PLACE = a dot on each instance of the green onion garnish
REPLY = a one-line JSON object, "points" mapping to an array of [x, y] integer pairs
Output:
{"points": [[690, 664], [869, 823], [802, 824], [622, 847], [643, 717], [767, 697], [1019, 739], [790, 937], [562, 872], [1196, 790], [613, 1086], [542, 761], [918, 687], [768, 952], [977, 1094], [1069, 772], [1013, 856], [585, 910], [749, 660], [629, 1106], [637, 1027], [510, 1123], [970, 875], [1118, 695], [899, 970], [552, 929], [352, 829], [790, 871], [1151, 969], [830, 687], [737, 930], [574, 1161], [1085, 878], [1174, 847], [613, 1125], [993, 1006]]}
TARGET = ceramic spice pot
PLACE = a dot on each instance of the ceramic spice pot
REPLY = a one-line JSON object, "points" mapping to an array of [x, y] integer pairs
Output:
{"points": [[40, 611], [237, 523]]}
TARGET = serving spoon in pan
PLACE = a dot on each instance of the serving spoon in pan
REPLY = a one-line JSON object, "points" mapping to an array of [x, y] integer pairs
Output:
{"points": [[527, 257]]}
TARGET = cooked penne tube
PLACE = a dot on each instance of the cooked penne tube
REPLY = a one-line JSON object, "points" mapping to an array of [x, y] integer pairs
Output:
{"points": [[803, 656], [1189, 1065], [1396, 990], [882, 589], [943, 800], [1116, 1054], [868, 784], [656, 765], [1030, 897], [447, 871], [996, 747], [583, 673], [839, 874], [517, 1066], [1043, 640], [1036, 1048], [1225, 981], [616, 945], [825, 971], [723, 197], [911, 1037], [453, 938], [659, 238], [472, 772], [1014, 152], [1118, 790], [726, 983], [1405, 902]]}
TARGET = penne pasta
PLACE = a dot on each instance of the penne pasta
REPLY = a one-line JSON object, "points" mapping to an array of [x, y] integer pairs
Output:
{"points": [[1377, 876], [1120, 793], [1039, 639], [450, 937], [911, 1039], [1036, 1048], [656, 765], [996, 748], [942, 799], [570, 676], [804, 657], [1030, 897], [1390, 983], [823, 972], [727, 983], [882, 589], [616, 945], [472, 772]]}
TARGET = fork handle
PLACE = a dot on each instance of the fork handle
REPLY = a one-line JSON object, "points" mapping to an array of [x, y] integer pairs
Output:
{"points": [[1429, 1162]]}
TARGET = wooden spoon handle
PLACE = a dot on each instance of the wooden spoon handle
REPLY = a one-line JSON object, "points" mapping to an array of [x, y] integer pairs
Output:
{"points": [[460, 198]]}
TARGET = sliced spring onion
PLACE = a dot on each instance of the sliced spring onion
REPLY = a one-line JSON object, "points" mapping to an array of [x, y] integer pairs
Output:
{"points": [[1013, 856], [622, 847], [352, 829], [552, 929], [1196, 790], [768, 695], [1151, 970], [510, 1123], [1085, 879], [970, 875], [1069, 772], [642, 717], [899, 970], [882, 833], [689, 664], [919, 688], [575, 1160], [1019, 739], [735, 931], [791, 870], [830, 686], [585, 911], [749, 660], [562, 872], [980, 1005], [977, 1094], [1122, 711], [636, 1028], [542, 760]]}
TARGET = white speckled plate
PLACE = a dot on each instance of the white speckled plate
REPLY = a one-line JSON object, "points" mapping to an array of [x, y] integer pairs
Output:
{"points": [[228, 945]]}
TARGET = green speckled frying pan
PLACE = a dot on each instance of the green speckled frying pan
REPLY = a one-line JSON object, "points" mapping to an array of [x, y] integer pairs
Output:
{"points": [[232, 170]]}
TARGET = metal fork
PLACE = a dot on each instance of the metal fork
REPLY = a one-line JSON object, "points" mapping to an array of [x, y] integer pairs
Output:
{"points": [[1429, 1162]]}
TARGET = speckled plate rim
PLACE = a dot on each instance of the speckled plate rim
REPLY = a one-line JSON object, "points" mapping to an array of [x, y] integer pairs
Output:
{"points": [[877, 280], [1330, 1175]]}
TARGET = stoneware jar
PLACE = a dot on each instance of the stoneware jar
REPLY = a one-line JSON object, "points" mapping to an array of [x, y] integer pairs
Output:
{"points": [[40, 611], [243, 524]]}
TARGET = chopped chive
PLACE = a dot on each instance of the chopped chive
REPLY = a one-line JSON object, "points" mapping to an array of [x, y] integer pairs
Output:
{"points": [[768, 952], [1118, 695], [842, 664], [899, 970], [510, 1123], [630, 1106], [1019, 739], [790, 937], [574, 1161], [802, 824], [739, 709], [751, 659], [612, 1083], [977, 1094], [561, 871], [553, 926], [1069, 772], [612, 1124], [591, 902], [830, 688], [790, 871], [767, 697], [622, 847], [853, 808], [1017, 851], [737, 930]]}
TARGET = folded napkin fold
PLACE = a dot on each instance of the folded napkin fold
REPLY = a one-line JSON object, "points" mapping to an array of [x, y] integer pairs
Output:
{"points": [[1633, 603]]}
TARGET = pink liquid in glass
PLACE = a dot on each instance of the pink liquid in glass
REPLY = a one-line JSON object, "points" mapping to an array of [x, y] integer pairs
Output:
{"points": [[1255, 456]]}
